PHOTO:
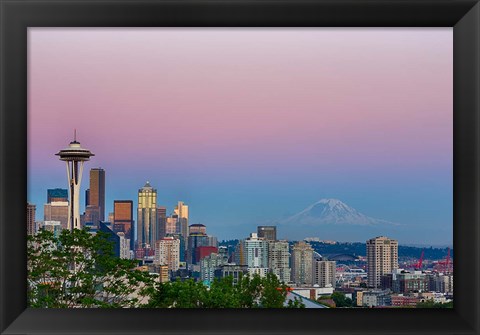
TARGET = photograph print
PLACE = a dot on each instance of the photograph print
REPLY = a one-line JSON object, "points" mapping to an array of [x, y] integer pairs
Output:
{"points": [[240, 168]]}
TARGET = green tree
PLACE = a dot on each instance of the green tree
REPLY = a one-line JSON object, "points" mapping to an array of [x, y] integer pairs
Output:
{"points": [[341, 300], [274, 293], [177, 294], [248, 292], [78, 269], [295, 303]]}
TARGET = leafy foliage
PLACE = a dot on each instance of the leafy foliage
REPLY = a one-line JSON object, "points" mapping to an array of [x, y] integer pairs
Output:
{"points": [[77, 269], [341, 300], [249, 292]]}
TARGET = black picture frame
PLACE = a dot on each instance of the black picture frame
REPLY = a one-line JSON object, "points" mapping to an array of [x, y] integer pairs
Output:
{"points": [[17, 15]]}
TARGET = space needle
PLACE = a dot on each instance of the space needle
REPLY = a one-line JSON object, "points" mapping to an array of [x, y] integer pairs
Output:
{"points": [[74, 156]]}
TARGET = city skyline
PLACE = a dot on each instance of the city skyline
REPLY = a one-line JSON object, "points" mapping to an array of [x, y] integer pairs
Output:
{"points": [[215, 146]]}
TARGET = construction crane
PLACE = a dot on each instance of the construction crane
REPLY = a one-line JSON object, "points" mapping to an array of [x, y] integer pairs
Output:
{"points": [[445, 265], [417, 265]]}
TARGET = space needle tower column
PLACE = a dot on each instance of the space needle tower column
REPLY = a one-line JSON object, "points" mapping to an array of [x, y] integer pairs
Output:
{"points": [[74, 156]]}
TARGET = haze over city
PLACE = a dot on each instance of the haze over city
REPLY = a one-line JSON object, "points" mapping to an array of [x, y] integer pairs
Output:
{"points": [[252, 126]]}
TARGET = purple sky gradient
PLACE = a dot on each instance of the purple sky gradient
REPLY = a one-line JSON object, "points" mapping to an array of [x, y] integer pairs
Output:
{"points": [[363, 114]]}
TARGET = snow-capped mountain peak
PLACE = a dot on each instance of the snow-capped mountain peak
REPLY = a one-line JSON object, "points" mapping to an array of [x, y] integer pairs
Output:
{"points": [[332, 211]]}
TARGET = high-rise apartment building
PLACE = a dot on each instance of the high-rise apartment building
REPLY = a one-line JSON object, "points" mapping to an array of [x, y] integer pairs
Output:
{"points": [[324, 273], [147, 217], [57, 194], [382, 259], [31, 230], [56, 211], [279, 260], [209, 264], [255, 251], [123, 219], [302, 264], [97, 191], [269, 233], [167, 252]]}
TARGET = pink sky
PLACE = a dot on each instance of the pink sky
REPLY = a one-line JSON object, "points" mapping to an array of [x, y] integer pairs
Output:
{"points": [[292, 100]]}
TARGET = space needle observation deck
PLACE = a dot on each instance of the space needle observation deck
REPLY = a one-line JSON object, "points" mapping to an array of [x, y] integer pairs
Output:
{"points": [[74, 156]]}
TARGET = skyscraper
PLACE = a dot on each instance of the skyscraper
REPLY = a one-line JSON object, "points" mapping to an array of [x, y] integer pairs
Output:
{"points": [[97, 191], [181, 211], [147, 217], [256, 251], [57, 194], [197, 228], [279, 260], [302, 264], [382, 259], [171, 225], [92, 215], [31, 219], [269, 233], [87, 197], [120, 243], [57, 211], [161, 222], [167, 252], [209, 264], [74, 156], [194, 241], [324, 273], [123, 219]]}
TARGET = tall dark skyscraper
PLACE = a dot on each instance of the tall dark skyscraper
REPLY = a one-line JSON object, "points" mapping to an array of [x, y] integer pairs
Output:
{"points": [[123, 219], [267, 232], [97, 191], [30, 219], [87, 197], [57, 194], [161, 222]]}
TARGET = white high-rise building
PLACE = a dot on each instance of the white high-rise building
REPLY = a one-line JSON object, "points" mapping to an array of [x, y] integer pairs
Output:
{"points": [[255, 252], [124, 246], [167, 252], [382, 259]]}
